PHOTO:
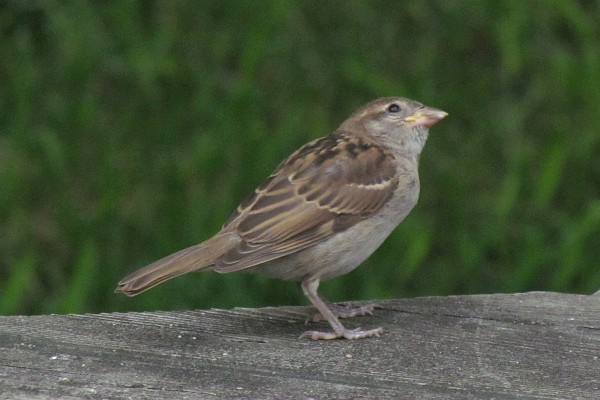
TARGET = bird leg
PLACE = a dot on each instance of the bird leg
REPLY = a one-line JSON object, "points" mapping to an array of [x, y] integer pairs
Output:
{"points": [[310, 287], [345, 310]]}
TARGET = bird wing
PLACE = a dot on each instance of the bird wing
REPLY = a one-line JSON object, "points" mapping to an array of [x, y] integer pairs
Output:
{"points": [[325, 187]]}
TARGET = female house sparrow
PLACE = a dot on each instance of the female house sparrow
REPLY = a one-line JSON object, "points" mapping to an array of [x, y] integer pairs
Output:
{"points": [[323, 211]]}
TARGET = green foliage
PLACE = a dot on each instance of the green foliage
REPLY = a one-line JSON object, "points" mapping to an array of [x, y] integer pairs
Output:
{"points": [[131, 129]]}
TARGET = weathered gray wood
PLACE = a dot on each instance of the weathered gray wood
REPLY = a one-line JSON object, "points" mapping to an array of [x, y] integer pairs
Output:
{"points": [[530, 346]]}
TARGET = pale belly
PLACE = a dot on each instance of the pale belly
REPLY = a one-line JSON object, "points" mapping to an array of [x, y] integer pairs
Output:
{"points": [[344, 251]]}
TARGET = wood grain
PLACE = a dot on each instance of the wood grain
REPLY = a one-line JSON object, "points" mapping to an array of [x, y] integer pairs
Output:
{"points": [[530, 346]]}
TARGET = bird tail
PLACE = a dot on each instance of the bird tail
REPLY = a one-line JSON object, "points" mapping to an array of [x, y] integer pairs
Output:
{"points": [[187, 260]]}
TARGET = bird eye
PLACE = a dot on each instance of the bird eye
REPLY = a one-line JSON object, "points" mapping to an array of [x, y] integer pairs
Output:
{"points": [[393, 108]]}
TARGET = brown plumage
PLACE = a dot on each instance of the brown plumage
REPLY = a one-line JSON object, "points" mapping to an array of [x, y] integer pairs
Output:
{"points": [[359, 181]]}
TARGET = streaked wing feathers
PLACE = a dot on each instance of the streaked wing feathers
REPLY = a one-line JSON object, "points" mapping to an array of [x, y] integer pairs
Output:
{"points": [[325, 187]]}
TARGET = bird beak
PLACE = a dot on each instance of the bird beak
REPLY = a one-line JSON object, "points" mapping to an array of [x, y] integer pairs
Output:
{"points": [[426, 117]]}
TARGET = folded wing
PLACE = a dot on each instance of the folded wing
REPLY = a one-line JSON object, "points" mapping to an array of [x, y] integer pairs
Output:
{"points": [[327, 186]]}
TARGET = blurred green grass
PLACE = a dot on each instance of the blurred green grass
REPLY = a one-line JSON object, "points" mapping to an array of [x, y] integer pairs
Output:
{"points": [[129, 130]]}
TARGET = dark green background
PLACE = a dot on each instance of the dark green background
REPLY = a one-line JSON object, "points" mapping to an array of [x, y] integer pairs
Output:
{"points": [[131, 129]]}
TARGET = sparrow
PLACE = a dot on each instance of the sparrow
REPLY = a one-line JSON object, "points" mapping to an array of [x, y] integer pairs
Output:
{"points": [[324, 210]]}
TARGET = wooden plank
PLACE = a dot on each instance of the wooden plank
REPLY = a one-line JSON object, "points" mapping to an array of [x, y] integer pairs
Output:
{"points": [[531, 346]]}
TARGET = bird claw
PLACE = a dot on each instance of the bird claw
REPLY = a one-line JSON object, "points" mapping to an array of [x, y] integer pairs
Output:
{"points": [[357, 333], [345, 310]]}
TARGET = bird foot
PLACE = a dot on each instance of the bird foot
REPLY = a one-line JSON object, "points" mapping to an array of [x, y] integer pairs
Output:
{"points": [[346, 310], [358, 333]]}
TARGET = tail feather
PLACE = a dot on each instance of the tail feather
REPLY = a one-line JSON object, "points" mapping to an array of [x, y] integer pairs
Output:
{"points": [[187, 260]]}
